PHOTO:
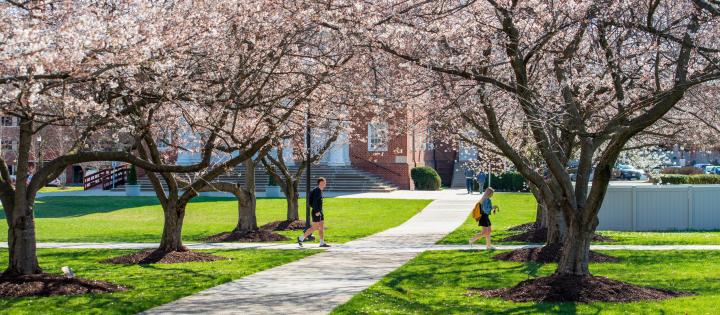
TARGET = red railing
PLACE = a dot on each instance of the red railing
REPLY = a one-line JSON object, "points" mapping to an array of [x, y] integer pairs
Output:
{"points": [[107, 178]]}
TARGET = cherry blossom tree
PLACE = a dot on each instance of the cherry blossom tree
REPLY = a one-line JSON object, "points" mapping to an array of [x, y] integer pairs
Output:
{"points": [[576, 76], [289, 179], [59, 67]]}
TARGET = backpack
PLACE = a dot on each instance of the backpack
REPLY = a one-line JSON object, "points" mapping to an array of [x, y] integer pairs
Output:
{"points": [[476, 213]]}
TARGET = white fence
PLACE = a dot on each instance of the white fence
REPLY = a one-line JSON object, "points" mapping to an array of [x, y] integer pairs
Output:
{"points": [[658, 208]]}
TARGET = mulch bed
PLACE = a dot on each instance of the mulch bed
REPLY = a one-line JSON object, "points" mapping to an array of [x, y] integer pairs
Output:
{"points": [[52, 285], [523, 227], [296, 225], [534, 234], [548, 254], [248, 236], [161, 257], [582, 289]]}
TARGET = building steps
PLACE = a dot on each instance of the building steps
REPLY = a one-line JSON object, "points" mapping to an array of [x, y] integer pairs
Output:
{"points": [[339, 179]]}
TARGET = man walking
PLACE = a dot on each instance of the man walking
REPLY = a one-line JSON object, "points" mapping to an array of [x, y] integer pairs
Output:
{"points": [[318, 218], [481, 177], [469, 179]]}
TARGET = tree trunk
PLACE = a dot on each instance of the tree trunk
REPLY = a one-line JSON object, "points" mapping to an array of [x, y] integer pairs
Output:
{"points": [[21, 241], [292, 196], [555, 224], [576, 250], [19, 212], [548, 216], [540, 215], [247, 201], [172, 229], [247, 220]]}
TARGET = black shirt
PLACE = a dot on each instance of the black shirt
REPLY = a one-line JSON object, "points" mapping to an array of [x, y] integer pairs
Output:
{"points": [[316, 199]]}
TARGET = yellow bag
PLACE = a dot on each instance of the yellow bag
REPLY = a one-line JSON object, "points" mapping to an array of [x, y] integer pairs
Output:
{"points": [[477, 212]]}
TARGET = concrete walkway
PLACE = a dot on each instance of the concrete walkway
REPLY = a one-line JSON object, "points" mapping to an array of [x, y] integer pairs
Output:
{"points": [[354, 246], [319, 283]]}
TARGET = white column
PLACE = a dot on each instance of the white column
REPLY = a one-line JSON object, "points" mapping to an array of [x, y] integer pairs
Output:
{"points": [[337, 153], [190, 141], [288, 152]]}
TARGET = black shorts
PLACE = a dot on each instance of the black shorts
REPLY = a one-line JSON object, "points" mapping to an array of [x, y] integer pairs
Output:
{"points": [[484, 220], [318, 218]]}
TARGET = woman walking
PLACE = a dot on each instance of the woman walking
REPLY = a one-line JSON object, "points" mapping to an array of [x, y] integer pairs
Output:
{"points": [[486, 208]]}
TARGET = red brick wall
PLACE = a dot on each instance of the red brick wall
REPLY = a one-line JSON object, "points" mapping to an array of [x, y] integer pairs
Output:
{"points": [[387, 165], [443, 162], [392, 165], [384, 164]]}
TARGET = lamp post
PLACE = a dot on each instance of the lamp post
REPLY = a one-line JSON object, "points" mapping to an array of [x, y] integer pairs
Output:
{"points": [[39, 154], [682, 156], [308, 181]]}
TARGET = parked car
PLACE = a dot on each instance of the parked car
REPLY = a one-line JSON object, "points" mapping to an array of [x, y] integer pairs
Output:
{"points": [[573, 176], [702, 166], [629, 172], [54, 183], [712, 169]]}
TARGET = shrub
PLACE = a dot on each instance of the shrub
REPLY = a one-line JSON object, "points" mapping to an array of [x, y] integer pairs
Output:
{"points": [[132, 175], [271, 181], [685, 170], [704, 179], [425, 178], [698, 179], [507, 181], [672, 179]]}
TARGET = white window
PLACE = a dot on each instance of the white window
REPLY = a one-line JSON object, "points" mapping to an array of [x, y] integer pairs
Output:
{"points": [[377, 137], [9, 145], [429, 142], [7, 121]]}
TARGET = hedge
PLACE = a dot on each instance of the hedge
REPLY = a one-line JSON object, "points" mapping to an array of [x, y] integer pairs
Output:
{"points": [[685, 170], [675, 179], [508, 181], [425, 178], [132, 176]]}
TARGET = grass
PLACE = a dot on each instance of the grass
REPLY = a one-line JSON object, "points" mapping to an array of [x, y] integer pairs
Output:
{"points": [[519, 208], [48, 189], [515, 209], [151, 285], [139, 219], [436, 283]]}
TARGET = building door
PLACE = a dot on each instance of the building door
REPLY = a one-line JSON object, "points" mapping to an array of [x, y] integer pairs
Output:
{"points": [[78, 175]]}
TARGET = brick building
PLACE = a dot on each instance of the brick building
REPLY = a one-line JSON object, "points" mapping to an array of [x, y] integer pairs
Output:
{"points": [[46, 145], [375, 147]]}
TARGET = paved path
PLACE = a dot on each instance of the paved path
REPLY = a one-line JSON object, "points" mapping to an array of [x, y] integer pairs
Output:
{"points": [[354, 246], [318, 283]]}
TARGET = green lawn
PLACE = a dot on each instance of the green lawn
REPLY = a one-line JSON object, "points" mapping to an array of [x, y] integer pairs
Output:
{"points": [[150, 285], [515, 209], [139, 219], [518, 208], [436, 283], [58, 189]]}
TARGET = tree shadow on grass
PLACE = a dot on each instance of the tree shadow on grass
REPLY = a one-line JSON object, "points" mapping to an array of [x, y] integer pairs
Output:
{"points": [[73, 206]]}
